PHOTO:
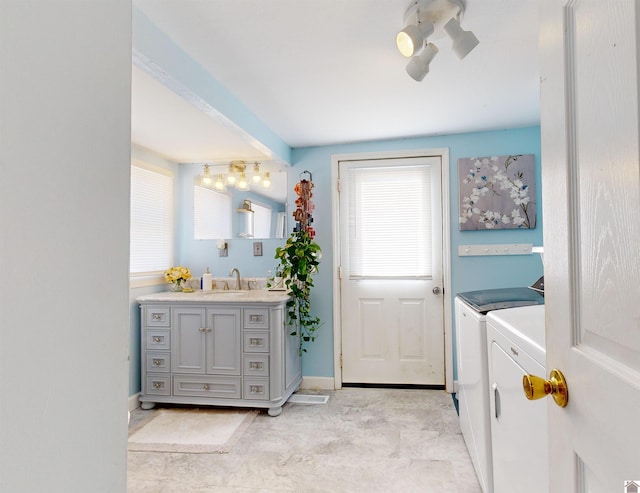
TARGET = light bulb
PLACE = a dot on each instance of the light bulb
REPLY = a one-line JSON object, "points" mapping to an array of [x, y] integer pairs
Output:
{"points": [[242, 183], [410, 40], [206, 177], [256, 173], [266, 181]]}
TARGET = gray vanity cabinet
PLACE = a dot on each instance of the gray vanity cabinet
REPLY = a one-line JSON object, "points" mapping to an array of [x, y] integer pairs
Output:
{"points": [[226, 354], [206, 341]]}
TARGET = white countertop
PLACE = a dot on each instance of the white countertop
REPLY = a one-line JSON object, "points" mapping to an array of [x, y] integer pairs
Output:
{"points": [[217, 296]]}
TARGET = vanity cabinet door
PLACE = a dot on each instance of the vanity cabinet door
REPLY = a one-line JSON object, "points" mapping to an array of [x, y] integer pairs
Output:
{"points": [[224, 345], [189, 333]]}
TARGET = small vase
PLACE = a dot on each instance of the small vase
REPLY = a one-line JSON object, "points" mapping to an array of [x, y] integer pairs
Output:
{"points": [[176, 287]]}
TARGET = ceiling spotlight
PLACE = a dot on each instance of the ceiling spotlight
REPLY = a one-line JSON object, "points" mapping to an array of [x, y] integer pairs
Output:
{"points": [[432, 19], [410, 40], [418, 67], [463, 41]]}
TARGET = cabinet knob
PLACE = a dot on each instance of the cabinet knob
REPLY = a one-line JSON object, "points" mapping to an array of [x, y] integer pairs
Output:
{"points": [[157, 385], [256, 389], [255, 341], [205, 386], [158, 362], [255, 365], [157, 339]]}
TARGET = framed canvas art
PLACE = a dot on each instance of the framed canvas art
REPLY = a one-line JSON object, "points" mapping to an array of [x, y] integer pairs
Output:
{"points": [[497, 192]]}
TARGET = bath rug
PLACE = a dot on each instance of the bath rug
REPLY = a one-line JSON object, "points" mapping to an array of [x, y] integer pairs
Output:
{"points": [[193, 431]]}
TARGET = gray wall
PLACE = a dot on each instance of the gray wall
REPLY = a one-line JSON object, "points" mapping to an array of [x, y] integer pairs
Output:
{"points": [[64, 208]]}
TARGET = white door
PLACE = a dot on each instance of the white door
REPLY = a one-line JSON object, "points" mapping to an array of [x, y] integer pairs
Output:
{"points": [[391, 271], [591, 187]]}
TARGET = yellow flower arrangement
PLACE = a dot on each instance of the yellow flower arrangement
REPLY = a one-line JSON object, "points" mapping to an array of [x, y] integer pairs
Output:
{"points": [[177, 275]]}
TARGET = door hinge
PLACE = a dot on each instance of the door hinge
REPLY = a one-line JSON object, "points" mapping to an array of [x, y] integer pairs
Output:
{"points": [[340, 272], [340, 360], [338, 185]]}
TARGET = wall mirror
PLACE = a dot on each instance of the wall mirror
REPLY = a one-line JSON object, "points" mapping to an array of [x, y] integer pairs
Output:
{"points": [[240, 200]]}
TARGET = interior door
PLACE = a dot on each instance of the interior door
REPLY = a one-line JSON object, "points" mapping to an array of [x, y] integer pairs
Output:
{"points": [[591, 187], [391, 271]]}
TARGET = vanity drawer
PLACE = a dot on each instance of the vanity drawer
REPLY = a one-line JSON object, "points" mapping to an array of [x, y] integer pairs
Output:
{"points": [[256, 318], [158, 339], [158, 316], [255, 365], [256, 389], [158, 361], [255, 341], [207, 386], [158, 385]]}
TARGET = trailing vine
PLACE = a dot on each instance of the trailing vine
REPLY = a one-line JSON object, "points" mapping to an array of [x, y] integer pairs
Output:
{"points": [[299, 259]]}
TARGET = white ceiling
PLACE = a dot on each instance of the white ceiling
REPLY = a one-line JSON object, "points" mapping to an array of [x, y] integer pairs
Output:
{"points": [[320, 72]]}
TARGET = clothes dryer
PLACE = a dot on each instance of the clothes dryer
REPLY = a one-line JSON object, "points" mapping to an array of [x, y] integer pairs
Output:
{"points": [[516, 347]]}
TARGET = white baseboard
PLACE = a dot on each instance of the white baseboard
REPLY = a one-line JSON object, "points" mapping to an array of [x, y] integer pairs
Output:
{"points": [[134, 403], [318, 383]]}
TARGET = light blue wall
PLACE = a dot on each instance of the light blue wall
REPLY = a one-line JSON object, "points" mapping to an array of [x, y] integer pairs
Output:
{"points": [[467, 273]]}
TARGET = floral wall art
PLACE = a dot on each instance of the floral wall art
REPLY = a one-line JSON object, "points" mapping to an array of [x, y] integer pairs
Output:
{"points": [[497, 192]]}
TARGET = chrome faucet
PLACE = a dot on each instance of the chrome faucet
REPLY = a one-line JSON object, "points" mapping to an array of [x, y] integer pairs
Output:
{"points": [[237, 277]]}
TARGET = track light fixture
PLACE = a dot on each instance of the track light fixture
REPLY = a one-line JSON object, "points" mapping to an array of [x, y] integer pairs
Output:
{"points": [[432, 18]]}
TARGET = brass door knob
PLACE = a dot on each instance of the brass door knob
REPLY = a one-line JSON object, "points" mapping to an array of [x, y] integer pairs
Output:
{"points": [[537, 387]]}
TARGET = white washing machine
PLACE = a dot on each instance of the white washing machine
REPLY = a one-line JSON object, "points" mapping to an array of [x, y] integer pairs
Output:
{"points": [[515, 347], [473, 369]]}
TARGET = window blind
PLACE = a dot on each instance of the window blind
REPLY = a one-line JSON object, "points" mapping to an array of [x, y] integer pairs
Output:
{"points": [[152, 229], [390, 221], [211, 214]]}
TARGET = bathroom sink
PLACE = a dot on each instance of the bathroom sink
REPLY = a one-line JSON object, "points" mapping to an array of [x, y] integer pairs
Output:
{"points": [[225, 293]]}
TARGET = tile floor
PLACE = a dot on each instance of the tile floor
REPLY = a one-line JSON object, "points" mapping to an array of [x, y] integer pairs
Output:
{"points": [[362, 440]]}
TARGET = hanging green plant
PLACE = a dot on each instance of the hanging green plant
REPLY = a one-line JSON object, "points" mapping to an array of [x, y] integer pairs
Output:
{"points": [[299, 259]]}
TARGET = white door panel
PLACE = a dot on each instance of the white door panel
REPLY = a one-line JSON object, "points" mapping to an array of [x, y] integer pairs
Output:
{"points": [[392, 326], [591, 198]]}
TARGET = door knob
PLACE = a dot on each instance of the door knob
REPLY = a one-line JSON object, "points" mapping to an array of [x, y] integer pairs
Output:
{"points": [[436, 290], [537, 387]]}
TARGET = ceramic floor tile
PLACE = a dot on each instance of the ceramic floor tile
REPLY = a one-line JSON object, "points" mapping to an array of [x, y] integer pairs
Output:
{"points": [[369, 440]]}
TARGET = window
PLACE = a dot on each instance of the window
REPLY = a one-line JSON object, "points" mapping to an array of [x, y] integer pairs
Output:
{"points": [[261, 221], [211, 214], [390, 221], [152, 220]]}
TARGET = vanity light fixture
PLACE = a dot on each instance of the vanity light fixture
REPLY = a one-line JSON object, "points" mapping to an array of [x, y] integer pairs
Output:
{"points": [[206, 175], [266, 180], [432, 18], [236, 174], [256, 174], [220, 183], [242, 182]]}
